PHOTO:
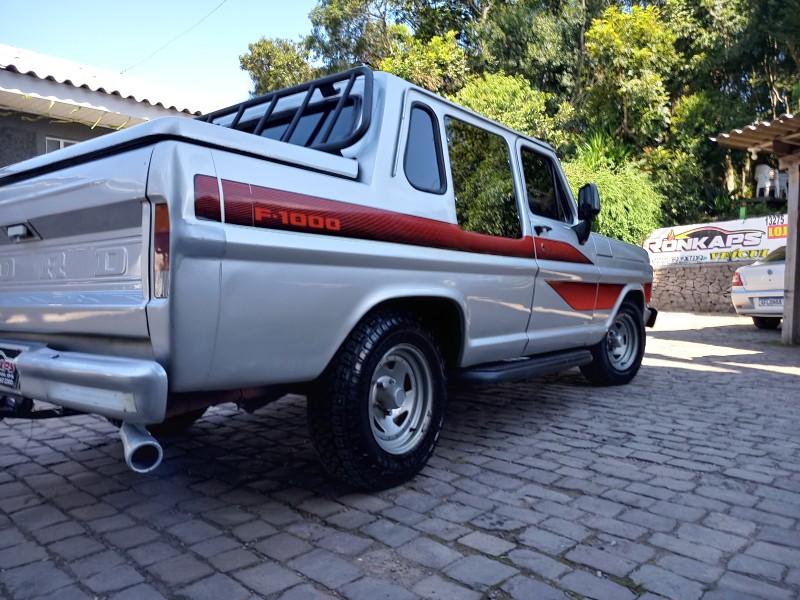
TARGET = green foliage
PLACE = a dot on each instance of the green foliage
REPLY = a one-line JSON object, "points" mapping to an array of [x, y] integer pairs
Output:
{"points": [[276, 63], [511, 100], [632, 54], [346, 33], [438, 64], [630, 202]]}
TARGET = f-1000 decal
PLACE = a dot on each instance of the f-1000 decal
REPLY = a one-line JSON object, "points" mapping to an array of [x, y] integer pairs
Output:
{"points": [[269, 208]]}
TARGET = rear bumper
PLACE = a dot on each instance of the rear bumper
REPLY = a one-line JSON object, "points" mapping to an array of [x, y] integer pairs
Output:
{"points": [[127, 389], [750, 303]]}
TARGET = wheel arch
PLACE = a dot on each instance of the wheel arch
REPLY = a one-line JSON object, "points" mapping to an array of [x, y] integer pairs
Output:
{"points": [[442, 316]]}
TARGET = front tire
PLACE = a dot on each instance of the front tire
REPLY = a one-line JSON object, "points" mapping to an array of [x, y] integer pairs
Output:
{"points": [[618, 356], [767, 322], [376, 414]]}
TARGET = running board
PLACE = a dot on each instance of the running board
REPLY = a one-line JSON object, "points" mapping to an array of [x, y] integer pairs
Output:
{"points": [[523, 368]]}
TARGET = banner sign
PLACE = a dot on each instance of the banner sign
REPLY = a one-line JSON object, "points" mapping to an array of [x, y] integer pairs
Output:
{"points": [[726, 241]]}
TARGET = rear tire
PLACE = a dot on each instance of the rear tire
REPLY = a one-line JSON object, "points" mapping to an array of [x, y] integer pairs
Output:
{"points": [[376, 414], [618, 356], [767, 322]]}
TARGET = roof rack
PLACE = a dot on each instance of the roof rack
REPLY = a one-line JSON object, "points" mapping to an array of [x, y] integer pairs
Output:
{"points": [[329, 114]]}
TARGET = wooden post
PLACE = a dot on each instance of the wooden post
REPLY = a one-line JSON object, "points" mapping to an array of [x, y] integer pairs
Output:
{"points": [[791, 299]]}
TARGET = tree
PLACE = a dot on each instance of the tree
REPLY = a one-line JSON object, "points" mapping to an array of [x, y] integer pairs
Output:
{"points": [[511, 101], [631, 203], [632, 55], [276, 63], [347, 33], [439, 64]]}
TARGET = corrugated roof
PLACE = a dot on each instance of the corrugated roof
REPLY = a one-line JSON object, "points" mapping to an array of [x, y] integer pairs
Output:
{"points": [[59, 70], [762, 136]]}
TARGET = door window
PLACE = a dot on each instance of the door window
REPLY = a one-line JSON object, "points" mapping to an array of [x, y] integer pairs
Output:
{"points": [[483, 184]]}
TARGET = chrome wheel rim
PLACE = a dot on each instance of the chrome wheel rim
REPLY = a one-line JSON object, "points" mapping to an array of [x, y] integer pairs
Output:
{"points": [[622, 343], [401, 399]]}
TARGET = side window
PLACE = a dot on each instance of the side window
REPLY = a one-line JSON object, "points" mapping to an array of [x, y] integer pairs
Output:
{"points": [[423, 159], [482, 181], [544, 197]]}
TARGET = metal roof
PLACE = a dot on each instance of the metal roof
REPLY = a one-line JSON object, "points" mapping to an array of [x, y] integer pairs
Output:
{"points": [[779, 136], [54, 87]]}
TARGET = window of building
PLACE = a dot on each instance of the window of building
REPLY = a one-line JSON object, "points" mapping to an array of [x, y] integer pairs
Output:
{"points": [[423, 159], [544, 196], [54, 143], [482, 180]]}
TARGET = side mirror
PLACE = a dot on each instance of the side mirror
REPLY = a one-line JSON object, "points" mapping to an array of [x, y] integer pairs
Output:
{"points": [[588, 208]]}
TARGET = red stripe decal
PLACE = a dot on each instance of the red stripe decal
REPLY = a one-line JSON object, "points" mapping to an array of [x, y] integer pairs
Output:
{"points": [[276, 209], [207, 204], [558, 251], [587, 296]]}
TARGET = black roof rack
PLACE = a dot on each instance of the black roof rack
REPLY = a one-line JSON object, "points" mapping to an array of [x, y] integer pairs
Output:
{"points": [[325, 99]]}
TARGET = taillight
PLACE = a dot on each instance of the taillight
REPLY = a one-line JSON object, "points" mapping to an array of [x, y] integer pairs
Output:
{"points": [[161, 251], [737, 280], [648, 292], [207, 203]]}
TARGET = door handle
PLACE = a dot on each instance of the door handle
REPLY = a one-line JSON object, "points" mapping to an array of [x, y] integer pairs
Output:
{"points": [[540, 229]]}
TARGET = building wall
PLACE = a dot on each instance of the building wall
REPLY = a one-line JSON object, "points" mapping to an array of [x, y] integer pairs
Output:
{"points": [[697, 288], [23, 136]]}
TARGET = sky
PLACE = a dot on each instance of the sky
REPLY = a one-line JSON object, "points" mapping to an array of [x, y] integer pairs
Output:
{"points": [[117, 35]]}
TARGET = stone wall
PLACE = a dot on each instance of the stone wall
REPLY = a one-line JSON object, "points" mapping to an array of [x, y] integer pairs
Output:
{"points": [[694, 289]]}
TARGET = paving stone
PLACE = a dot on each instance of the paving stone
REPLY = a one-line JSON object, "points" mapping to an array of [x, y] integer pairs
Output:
{"points": [[598, 506], [595, 587], [215, 587], [615, 527], [479, 571], [193, 531], [369, 588], [573, 531], [442, 529], [677, 511], [748, 585], [233, 560], [601, 560], [525, 588], [269, 578], [456, 512], [750, 565], [648, 520], [711, 537], [116, 578], [545, 541], [667, 583], [149, 554], [538, 563], [687, 548], [34, 581], [21, 554], [693, 569], [253, 530], [214, 546], [389, 533], [345, 543], [326, 568], [180, 570], [283, 546], [784, 537], [429, 553], [436, 588], [488, 544], [305, 592], [775, 553]]}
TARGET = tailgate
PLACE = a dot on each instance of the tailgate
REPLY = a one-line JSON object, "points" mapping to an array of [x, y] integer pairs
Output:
{"points": [[72, 256]]}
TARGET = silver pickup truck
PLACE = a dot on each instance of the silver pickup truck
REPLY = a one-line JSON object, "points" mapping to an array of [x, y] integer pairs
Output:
{"points": [[355, 239]]}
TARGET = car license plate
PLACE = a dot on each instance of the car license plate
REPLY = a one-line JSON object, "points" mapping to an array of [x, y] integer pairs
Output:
{"points": [[771, 301], [8, 368]]}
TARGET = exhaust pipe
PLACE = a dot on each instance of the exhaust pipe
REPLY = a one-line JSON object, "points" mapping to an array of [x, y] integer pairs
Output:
{"points": [[142, 452]]}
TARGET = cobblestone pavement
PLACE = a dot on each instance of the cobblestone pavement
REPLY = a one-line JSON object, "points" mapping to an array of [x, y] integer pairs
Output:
{"points": [[684, 484]]}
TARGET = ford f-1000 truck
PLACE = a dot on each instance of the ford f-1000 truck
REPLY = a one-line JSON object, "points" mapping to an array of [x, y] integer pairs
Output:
{"points": [[355, 239]]}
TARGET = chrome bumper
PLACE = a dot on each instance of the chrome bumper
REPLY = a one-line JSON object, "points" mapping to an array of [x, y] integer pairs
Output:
{"points": [[127, 389]]}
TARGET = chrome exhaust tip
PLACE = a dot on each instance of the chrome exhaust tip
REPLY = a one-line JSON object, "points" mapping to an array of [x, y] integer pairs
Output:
{"points": [[142, 452]]}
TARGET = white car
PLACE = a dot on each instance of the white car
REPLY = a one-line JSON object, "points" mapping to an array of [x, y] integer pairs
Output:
{"points": [[757, 290]]}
